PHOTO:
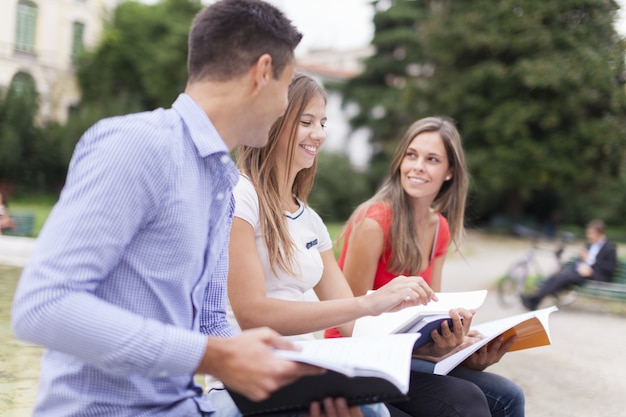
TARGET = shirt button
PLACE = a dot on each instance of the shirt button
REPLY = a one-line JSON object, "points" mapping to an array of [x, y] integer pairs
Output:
{"points": [[219, 196], [225, 159]]}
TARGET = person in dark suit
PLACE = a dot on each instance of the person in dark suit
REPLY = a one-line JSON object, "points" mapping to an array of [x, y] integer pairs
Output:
{"points": [[597, 262]]}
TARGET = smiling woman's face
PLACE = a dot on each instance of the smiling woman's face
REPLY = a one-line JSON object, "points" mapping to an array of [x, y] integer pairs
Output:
{"points": [[310, 135], [424, 166]]}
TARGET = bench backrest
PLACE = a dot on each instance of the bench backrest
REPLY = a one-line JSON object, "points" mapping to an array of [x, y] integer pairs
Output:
{"points": [[619, 275], [24, 224]]}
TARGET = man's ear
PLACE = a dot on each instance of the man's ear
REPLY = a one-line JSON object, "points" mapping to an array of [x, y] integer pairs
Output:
{"points": [[262, 72]]}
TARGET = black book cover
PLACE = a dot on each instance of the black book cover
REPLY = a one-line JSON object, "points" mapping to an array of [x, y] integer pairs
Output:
{"points": [[296, 397]]}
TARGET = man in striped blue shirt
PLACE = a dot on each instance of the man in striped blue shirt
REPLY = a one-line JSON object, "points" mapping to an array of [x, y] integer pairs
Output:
{"points": [[117, 279]]}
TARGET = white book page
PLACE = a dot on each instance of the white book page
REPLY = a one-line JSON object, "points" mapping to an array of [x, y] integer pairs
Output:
{"points": [[386, 357], [399, 321]]}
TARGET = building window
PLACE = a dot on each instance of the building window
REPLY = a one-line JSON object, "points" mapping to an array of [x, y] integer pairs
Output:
{"points": [[23, 85], [25, 27], [77, 40]]}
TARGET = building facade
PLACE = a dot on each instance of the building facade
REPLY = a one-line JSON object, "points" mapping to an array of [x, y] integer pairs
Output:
{"points": [[39, 41]]}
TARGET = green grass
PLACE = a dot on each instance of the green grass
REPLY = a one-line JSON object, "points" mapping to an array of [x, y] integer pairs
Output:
{"points": [[39, 205], [334, 229]]}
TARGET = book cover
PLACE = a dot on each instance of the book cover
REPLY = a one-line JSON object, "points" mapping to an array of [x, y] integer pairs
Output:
{"points": [[426, 325], [362, 370]]}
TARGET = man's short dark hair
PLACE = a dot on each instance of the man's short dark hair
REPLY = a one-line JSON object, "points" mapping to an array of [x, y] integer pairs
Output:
{"points": [[227, 37], [598, 225]]}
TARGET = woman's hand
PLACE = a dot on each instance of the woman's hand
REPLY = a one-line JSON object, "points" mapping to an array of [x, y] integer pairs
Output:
{"points": [[489, 354], [449, 339], [399, 293]]}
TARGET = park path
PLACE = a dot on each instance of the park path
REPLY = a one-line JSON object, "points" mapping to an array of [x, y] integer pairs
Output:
{"points": [[15, 250]]}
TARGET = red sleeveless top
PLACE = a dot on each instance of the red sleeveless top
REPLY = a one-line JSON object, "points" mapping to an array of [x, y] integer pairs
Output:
{"points": [[381, 213]]}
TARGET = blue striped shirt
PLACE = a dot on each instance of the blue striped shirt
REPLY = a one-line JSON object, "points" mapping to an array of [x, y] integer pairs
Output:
{"points": [[115, 285]]}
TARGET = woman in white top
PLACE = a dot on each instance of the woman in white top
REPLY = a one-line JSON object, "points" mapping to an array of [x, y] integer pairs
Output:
{"points": [[280, 249]]}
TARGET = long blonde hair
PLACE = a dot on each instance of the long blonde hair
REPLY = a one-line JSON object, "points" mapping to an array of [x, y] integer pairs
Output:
{"points": [[406, 253], [260, 165]]}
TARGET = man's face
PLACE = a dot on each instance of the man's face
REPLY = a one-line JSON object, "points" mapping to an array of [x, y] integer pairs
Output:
{"points": [[593, 235], [269, 106]]}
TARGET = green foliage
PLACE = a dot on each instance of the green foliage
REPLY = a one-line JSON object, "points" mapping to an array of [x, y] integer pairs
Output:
{"points": [[142, 55], [537, 89], [139, 64], [29, 154], [18, 135], [338, 188]]}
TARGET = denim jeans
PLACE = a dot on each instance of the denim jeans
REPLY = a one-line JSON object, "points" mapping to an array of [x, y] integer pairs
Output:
{"points": [[505, 398]]}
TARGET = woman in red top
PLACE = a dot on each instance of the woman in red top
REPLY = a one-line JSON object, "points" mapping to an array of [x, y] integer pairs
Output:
{"points": [[401, 230]]}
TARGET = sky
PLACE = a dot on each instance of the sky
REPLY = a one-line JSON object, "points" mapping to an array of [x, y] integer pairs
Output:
{"points": [[325, 24], [347, 24]]}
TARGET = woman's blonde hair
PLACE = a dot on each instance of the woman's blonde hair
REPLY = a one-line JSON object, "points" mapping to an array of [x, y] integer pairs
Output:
{"points": [[406, 253], [260, 166]]}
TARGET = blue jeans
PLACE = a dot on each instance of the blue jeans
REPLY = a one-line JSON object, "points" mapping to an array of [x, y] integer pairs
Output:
{"points": [[225, 407], [505, 398]]}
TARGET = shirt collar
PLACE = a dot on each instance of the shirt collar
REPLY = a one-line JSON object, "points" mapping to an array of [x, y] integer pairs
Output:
{"points": [[202, 132], [599, 243]]}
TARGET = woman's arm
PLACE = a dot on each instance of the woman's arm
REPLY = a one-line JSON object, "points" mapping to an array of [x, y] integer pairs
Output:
{"points": [[362, 254], [401, 292], [252, 307]]}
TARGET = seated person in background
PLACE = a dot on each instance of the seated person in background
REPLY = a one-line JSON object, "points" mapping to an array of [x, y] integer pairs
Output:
{"points": [[6, 222], [597, 262], [280, 249]]}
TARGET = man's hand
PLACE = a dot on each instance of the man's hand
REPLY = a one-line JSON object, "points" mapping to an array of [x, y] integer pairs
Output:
{"points": [[584, 270], [246, 363]]}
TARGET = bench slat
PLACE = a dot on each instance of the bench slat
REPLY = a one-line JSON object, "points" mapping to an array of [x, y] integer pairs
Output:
{"points": [[614, 290]]}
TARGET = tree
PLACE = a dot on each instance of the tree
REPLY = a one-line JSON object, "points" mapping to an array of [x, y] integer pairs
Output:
{"points": [[338, 189], [536, 87], [18, 134], [141, 57], [30, 154]]}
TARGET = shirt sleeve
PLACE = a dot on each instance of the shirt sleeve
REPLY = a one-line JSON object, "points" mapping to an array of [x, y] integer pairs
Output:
{"points": [[117, 175], [246, 201], [325, 242]]}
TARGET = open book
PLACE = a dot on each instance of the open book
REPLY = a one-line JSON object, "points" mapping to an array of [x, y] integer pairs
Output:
{"points": [[362, 370], [408, 319], [531, 330]]}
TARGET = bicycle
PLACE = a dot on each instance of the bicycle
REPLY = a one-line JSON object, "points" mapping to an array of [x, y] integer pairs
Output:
{"points": [[524, 274]]}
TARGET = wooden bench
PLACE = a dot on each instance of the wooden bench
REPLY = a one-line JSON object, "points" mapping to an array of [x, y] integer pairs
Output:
{"points": [[24, 224], [614, 290]]}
